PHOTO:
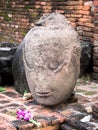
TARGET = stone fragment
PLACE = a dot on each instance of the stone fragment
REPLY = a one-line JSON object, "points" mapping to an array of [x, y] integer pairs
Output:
{"points": [[27, 96], [7, 51], [22, 125], [20, 81], [95, 110], [51, 55], [86, 57], [65, 126]]}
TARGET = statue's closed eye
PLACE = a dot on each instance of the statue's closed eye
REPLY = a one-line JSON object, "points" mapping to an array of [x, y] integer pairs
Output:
{"points": [[54, 64]]}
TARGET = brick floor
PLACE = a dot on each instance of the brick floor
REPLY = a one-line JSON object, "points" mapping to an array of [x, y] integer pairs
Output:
{"points": [[66, 116], [11, 101]]}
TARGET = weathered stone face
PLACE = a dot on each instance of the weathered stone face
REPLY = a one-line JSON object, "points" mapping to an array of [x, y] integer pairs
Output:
{"points": [[51, 58]]}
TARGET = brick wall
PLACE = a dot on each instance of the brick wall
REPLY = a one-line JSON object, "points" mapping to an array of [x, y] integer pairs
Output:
{"points": [[17, 17], [95, 56]]}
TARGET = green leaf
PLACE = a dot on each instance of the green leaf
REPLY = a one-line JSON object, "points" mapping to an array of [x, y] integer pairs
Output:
{"points": [[2, 89], [38, 124]]}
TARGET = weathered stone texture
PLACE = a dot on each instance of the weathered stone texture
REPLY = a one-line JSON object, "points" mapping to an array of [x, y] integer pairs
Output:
{"points": [[51, 54]]}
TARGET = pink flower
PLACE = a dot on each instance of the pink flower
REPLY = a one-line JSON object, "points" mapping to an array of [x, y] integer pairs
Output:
{"points": [[27, 116], [23, 114]]}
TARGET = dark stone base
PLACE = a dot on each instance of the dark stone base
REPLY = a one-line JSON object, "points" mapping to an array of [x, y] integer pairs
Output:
{"points": [[7, 51]]}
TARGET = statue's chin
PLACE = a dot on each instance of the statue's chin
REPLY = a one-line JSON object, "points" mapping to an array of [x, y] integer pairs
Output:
{"points": [[47, 99], [49, 103]]}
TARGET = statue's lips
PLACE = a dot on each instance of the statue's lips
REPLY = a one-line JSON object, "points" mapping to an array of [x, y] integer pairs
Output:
{"points": [[44, 94]]}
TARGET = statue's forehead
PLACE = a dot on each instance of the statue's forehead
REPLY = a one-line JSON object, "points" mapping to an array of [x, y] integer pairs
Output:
{"points": [[54, 50], [47, 54], [46, 44]]}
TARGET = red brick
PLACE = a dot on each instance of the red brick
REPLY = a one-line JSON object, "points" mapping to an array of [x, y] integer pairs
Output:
{"points": [[23, 125], [88, 16], [76, 15], [96, 43], [89, 34], [95, 17], [96, 9], [85, 20], [95, 69], [77, 7], [82, 12], [88, 39], [96, 23], [5, 122], [89, 24], [88, 3], [67, 15], [95, 57], [86, 24], [88, 29], [96, 30], [96, 36], [43, 3], [37, 6], [85, 8], [61, 11], [96, 63], [5, 125], [48, 7], [96, 2], [72, 19], [37, 2], [70, 7], [80, 2], [95, 50], [73, 24], [55, 127]]}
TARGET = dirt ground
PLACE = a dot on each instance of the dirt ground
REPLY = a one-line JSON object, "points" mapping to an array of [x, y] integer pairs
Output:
{"points": [[86, 86], [86, 90]]}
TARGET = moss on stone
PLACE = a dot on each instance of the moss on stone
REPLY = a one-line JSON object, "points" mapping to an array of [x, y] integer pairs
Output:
{"points": [[8, 4], [2, 89], [29, 7], [24, 32], [6, 38], [80, 91], [5, 16], [90, 93], [11, 113], [34, 15]]}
